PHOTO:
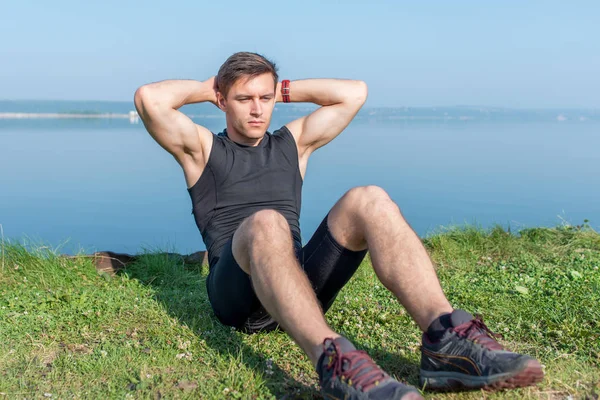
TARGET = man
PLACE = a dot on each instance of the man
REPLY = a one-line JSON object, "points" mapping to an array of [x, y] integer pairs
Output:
{"points": [[245, 185]]}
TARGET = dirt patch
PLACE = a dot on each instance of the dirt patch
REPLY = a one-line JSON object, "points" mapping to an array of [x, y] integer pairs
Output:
{"points": [[44, 356], [76, 348]]}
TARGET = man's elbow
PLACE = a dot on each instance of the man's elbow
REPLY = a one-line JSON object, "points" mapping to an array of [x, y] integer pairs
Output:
{"points": [[141, 97], [360, 91], [147, 100]]}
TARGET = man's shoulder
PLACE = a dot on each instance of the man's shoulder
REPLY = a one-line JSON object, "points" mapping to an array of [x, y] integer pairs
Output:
{"points": [[283, 130], [284, 134]]}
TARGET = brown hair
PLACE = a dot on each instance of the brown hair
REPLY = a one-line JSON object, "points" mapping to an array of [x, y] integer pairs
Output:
{"points": [[243, 64]]}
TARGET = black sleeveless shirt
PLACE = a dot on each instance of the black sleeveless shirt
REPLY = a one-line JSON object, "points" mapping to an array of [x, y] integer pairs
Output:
{"points": [[240, 180]]}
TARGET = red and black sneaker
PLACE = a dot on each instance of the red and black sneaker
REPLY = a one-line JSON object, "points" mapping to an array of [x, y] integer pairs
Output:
{"points": [[468, 357], [350, 374]]}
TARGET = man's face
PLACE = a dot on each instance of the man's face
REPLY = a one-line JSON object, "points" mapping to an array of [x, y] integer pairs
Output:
{"points": [[249, 105]]}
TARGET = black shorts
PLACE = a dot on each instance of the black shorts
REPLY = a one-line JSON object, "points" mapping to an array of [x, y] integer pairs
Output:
{"points": [[327, 264]]}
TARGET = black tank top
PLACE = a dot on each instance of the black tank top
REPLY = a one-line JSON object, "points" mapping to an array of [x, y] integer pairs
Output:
{"points": [[240, 180]]}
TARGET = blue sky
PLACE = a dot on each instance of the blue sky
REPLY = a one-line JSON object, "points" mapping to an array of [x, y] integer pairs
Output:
{"points": [[510, 53]]}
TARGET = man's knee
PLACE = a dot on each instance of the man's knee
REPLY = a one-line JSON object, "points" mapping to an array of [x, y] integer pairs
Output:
{"points": [[367, 194], [267, 222], [370, 200], [261, 233], [265, 226]]}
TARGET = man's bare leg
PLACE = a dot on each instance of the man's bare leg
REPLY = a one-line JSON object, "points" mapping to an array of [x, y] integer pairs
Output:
{"points": [[263, 248], [366, 217]]}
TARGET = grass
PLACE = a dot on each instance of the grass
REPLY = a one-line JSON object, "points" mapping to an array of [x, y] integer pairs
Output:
{"points": [[149, 333]]}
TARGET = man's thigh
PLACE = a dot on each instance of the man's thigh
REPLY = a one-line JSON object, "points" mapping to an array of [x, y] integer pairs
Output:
{"points": [[230, 290], [232, 296], [328, 265]]}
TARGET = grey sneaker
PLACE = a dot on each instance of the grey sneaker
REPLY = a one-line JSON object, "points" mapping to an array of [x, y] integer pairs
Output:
{"points": [[468, 357], [350, 374]]}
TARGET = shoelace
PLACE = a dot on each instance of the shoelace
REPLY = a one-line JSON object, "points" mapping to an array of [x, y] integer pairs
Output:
{"points": [[478, 332], [362, 376]]}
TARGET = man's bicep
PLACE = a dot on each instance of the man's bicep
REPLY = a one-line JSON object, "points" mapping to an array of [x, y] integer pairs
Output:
{"points": [[322, 126], [193, 139], [175, 131], [187, 142]]}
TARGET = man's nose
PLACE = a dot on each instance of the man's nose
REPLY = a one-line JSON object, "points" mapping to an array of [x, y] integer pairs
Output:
{"points": [[256, 109]]}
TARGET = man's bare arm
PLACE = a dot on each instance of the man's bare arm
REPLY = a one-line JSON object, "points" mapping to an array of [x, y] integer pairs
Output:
{"points": [[340, 101], [158, 106]]}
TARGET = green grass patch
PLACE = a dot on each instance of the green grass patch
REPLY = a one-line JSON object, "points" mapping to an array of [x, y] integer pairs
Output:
{"points": [[68, 332]]}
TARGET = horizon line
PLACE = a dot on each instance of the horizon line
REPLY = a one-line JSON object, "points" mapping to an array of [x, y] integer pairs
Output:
{"points": [[587, 108]]}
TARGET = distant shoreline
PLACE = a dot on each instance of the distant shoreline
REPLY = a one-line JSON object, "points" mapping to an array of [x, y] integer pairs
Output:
{"points": [[132, 116], [462, 114], [13, 115]]}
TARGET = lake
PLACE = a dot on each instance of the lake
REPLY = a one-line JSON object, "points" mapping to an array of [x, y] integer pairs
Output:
{"points": [[103, 184]]}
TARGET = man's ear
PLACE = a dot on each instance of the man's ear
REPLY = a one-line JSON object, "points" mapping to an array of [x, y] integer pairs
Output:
{"points": [[221, 102]]}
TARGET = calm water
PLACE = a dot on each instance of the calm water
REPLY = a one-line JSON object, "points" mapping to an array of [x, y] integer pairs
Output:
{"points": [[87, 185]]}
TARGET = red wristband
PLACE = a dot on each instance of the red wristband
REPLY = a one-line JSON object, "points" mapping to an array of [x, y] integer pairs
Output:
{"points": [[285, 90]]}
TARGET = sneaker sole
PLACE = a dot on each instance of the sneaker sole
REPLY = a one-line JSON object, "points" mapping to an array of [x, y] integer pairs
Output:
{"points": [[413, 396], [529, 375], [407, 396]]}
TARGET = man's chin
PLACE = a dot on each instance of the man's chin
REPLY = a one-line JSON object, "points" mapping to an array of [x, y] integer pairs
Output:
{"points": [[256, 132]]}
